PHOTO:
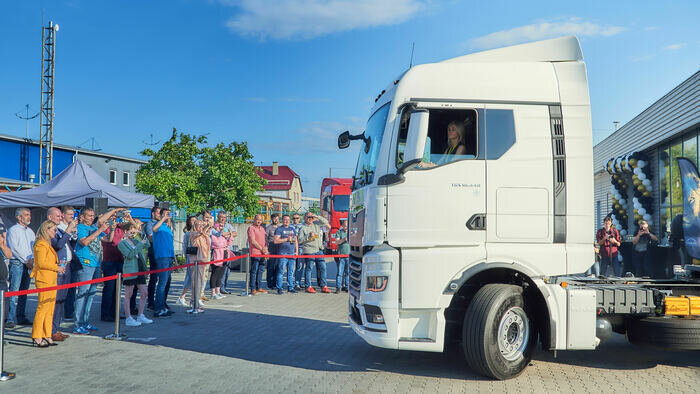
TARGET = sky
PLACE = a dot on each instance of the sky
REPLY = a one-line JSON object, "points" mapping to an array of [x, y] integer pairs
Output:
{"points": [[288, 76]]}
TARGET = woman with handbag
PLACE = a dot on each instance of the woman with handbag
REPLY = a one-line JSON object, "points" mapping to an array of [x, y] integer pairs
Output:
{"points": [[132, 247]]}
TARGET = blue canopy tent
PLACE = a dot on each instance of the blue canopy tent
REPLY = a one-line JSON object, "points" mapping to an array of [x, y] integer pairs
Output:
{"points": [[71, 187]]}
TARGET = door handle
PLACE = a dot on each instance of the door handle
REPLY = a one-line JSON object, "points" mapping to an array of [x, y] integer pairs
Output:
{"points": [[477, 222]]}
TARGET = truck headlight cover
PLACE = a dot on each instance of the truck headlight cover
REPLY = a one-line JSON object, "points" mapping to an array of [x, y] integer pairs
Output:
{"points": [[377, 283]]}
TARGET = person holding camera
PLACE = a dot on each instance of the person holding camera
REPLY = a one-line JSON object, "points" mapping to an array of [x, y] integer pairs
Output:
{"points": [[642, 257], [133, 248], [608, 238]]}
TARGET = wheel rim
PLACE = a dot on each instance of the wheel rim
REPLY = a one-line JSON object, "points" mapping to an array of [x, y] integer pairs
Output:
{"points": [[513, 333]]}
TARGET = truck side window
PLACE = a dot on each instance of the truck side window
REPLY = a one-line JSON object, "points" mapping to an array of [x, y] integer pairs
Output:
{"points": [[452, 136], [500, 132]]}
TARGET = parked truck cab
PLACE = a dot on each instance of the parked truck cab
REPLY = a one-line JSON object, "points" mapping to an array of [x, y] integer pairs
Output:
{"points": [[473, 189]]}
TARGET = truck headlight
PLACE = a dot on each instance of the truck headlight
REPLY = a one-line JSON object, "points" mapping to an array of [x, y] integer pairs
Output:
{"points": [[377, 283]]}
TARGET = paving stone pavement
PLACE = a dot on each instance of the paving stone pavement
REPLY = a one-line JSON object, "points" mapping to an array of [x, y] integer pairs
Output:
{"points": [[302, 343]]}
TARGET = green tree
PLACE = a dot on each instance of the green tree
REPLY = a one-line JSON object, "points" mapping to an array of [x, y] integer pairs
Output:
{"points": [[190, 174], [230, 178]]}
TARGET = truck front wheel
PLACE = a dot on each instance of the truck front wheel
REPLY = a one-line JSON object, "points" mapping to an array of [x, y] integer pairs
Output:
{"points": [[498, 336]]}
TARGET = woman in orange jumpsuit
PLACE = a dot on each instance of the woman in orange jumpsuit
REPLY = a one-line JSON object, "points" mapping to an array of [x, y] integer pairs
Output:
{"points": [[45, 273]]}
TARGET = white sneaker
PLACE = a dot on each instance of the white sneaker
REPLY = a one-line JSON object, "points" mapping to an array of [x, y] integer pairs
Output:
{"points": [[131, 322], [143, 319], [181, 301], [200, 303], [217, 297]]}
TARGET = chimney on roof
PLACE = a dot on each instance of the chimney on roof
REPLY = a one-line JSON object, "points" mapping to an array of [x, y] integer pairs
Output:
{"points": [[275, 168]]}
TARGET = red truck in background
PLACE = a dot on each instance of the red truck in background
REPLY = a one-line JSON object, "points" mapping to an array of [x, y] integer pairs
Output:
{"points": [[335, 202]]}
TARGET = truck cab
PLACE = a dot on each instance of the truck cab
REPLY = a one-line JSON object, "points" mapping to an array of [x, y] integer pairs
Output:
{"points": [[471, 215], [430, 223]]}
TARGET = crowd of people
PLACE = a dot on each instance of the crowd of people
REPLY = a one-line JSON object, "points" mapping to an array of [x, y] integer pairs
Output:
{"points": [[68, 249], [287, 240]]}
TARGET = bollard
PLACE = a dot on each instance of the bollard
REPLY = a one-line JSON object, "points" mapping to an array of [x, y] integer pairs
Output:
{"points": [[116, 336], [246, 283], [195, 290], [3, 375]]}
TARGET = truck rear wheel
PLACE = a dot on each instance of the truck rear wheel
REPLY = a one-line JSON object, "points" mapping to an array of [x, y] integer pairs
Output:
{"points": [[665, 332], [498, 336]]}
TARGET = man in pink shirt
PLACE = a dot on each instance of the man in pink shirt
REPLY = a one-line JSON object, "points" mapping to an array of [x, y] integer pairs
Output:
{"points": [[256, 242]]}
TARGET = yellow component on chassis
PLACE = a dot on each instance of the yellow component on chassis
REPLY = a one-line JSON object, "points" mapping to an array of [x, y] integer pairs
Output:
{"points": [[682, 305]]}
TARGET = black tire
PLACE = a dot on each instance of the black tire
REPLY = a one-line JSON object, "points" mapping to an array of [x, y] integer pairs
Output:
{"points": [[665, 332], [487, 314]]}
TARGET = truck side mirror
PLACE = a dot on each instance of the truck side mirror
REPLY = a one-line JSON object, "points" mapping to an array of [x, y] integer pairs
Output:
{"points": [[344, 140], [416, 137]]}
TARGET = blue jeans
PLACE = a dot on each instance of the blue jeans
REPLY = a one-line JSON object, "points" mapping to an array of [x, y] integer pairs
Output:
{"points": [[289, 264], [257, 266], [320, 263], [299, 273], [611, 260], [341, 279], [594, 269], [271, 272], [19, 280], [163, 279], [69, 305], [85, 294]]}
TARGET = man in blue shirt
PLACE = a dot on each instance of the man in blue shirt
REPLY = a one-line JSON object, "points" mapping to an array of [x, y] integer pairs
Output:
{"points": [[89, 252], [286, 241], [164, 253], [153, 278]]}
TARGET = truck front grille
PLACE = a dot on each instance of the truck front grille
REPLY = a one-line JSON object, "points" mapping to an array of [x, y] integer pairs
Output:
{"points": [[355, 276]]}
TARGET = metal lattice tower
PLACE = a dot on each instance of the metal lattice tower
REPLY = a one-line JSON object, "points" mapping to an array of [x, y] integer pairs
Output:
{"points": [[48, 67]]}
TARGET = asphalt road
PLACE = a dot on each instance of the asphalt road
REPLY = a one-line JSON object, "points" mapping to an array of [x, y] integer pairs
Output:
{"points": [[302, 343]]}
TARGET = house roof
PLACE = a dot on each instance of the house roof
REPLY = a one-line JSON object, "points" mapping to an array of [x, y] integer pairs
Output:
{"points": [[282, 181]]}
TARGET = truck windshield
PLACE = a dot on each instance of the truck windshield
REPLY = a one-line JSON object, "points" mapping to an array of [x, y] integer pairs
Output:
{"points": [[367, 162], [341, 203]]}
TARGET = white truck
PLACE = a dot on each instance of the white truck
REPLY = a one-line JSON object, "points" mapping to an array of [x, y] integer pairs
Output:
{"points": [[472, 214]]}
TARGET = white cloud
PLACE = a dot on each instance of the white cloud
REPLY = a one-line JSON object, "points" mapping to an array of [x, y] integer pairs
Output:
{"points": [[674, 47], [541, 31], [303, 19]]}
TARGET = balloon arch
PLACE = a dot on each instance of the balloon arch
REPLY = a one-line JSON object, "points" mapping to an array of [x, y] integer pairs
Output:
{"points": [[640, 186]]}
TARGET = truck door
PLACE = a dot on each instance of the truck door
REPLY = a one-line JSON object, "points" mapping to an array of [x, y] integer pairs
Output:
{"points": [[436, 215], [520, 168]]}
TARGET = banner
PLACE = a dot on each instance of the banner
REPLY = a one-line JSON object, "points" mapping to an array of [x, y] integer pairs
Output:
{"points": [[690, 179]]}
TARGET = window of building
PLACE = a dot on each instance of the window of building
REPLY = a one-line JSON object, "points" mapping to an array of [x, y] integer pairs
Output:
{"points": [[669, 178], [113, 177], [664, 189], [125, 179]]}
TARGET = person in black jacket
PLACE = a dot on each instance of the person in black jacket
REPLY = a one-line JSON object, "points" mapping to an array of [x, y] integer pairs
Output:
{"points": [[66, 253]]}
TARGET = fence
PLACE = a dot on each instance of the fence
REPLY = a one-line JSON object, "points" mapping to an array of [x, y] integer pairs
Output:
{"points": [[4, 376]]}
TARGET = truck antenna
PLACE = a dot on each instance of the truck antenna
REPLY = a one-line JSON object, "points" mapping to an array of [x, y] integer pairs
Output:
{"points": [[413, 46]]}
